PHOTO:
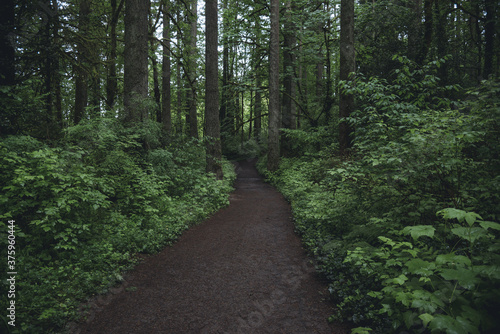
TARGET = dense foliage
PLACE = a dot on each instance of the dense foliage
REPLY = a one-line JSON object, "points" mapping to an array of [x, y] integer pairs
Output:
{"points": [[404, 226], [85, 207], [404, 230]]}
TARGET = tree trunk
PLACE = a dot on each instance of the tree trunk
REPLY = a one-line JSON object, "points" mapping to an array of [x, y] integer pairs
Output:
{"points": [[166, 111], [154, 65], [428, 31], [212, 125], [7, 43], [489, 37], [347, 66], [112, 80], [226, 113], [273, 153], [258, 106], [442, 9], [328, 100], [180, 99], [136, 60], [289, 77], [156, 85], [414, 33], [192, 105], [58, 117], [81, 82], [50, 68]]}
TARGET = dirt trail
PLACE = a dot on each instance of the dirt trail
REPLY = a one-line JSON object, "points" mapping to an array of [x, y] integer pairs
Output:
{"points": [[241, 271]]}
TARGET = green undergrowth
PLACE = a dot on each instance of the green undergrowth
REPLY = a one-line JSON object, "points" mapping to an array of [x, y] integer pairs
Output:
{"points": [[83, 208], [406, 229]]}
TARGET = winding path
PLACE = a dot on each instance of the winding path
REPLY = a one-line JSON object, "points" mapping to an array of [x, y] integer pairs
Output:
{"points": [[241, 271]]}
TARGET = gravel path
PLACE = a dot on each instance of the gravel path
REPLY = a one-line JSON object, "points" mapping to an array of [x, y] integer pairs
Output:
{"points": [[241, 271]]}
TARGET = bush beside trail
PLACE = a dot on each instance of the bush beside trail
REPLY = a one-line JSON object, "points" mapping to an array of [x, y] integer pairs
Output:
{"points": [[405, 230], [86, 205]]}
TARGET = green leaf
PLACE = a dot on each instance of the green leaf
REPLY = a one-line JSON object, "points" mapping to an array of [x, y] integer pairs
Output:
{"points": [[420, 267], [419, 230], [469, 233], [446, 324], [452, 259], [486, 225], [460, 215], [401, 279], [426, 318], [404, 297], [361, 330], [492, 272], [466, 278]]}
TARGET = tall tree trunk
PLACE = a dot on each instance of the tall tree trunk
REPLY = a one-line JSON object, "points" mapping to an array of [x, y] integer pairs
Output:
{"points": [[226, 115], [328, 100], [212, 125], [166, 110], [476, 37], [242, 119], [258, 106], [50, 67], [273, 153], [95, 99], [81, 82], [442, 9], [192, 105], [58, 117], [414, 33], [156, 85], [7, 43], [180, 99], [428, 31], [489, 37], [250, 129], [289, 77], [347, 66], [136, 60], [112, 79]]}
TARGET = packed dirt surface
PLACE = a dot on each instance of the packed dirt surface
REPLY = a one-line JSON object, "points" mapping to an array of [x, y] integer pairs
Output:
{"points": [[241, 271]]}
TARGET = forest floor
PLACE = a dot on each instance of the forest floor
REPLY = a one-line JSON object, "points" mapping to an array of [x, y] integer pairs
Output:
{"points": [[241, 271]]}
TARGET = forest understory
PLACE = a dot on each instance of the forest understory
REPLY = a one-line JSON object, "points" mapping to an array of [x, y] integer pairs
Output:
{"points": [[378, 122]]}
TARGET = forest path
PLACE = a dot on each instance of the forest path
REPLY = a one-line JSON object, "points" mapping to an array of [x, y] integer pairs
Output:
{"points": [[241, 271]]}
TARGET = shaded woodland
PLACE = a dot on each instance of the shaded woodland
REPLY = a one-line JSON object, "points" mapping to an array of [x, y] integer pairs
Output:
{"points": [[378, 120]]}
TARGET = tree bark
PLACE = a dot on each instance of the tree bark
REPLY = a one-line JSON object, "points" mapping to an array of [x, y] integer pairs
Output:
{"points": [[112, 79], [212, 124], [7, 43], [156, 84], [347, 66], [414, 33], [428, 31], [273, 153], [489, 37], [442, 9], [136, 60], [81, 82], [56, 85], [258, 106], [192, 105], [226, 113], [180, 99], [289, 77], [50, 68], [166, 109]]}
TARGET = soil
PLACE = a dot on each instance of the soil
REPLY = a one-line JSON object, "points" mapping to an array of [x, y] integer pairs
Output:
{"points": [[241, 271]]}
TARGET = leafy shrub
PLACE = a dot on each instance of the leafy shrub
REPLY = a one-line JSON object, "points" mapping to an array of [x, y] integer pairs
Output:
{"points": [[371, 220], [82, 209]]}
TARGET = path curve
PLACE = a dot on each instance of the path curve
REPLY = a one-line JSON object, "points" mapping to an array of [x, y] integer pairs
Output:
{"points": [[241, 271]]}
